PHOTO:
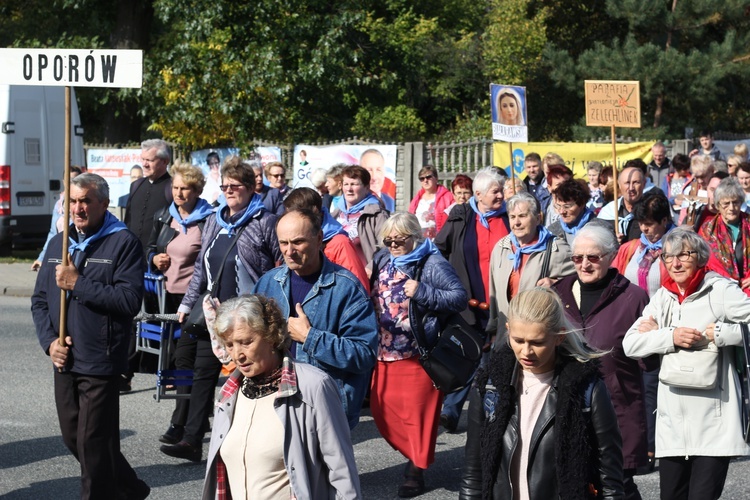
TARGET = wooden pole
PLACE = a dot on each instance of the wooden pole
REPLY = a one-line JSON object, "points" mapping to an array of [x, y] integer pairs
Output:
{"points": [[614, 177], [66, 217], [512, 170]]}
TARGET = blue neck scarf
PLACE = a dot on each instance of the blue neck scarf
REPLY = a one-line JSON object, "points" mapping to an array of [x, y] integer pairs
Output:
{"points": [[649, 247], [487, 215], [427, 247], [254, 208], [110, 225], [585, 218], [331, 226], [539, 246], [201, 210], [369, 200]]}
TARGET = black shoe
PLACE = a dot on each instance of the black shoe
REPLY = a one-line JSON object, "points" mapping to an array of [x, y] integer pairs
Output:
{"points": [[138, 491], [125, 383], [413, 484], [184, 450], [173, 435], [449, 423]]}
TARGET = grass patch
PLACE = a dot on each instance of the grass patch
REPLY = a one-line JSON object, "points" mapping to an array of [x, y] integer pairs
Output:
{"points": [[20, 256]]}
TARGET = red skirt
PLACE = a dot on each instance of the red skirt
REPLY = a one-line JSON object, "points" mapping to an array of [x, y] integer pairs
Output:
{"points": [[406, 408]]}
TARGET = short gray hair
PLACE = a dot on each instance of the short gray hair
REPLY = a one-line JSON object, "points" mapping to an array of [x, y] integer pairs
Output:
{"points": [[405, 224], [93, 182], [261, 315], [683, 239], [602, 237], [526, 198], [318, 177], [485, 178], [162, 148], [729, 189]]}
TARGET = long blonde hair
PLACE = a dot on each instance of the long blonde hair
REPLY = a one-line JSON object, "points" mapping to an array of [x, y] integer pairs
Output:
{"points": [[543, 306]]}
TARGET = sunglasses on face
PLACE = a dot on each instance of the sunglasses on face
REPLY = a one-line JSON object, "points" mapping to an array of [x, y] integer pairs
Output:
{"points": [[233, 187], [399, 242], [578, 259], [425, 178]]}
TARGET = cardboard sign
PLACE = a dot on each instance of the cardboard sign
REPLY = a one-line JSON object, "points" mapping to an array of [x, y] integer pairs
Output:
{"points": [[72, 67], [612, 102]]}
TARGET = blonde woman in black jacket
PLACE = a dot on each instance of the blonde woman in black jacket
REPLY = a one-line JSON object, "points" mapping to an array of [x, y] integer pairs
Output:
{"points": [[541, 423]]}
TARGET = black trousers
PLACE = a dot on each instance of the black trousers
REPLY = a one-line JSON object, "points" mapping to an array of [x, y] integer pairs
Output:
{"points": [[184, 359], [88, 409], [205, 376], [677, 481]]}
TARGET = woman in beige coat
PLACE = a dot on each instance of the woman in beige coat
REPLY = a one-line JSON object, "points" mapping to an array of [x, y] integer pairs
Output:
{"points": [[530, 256]]}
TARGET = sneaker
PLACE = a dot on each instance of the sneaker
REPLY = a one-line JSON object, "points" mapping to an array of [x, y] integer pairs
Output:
{"points": [[173, 435], [184, 450]]}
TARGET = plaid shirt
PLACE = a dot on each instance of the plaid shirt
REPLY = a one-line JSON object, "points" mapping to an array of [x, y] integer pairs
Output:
{"points": [[287, 388]]}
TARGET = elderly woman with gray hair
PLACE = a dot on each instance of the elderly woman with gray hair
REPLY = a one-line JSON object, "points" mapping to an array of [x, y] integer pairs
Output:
{"points": [[691, 323], [412, 284], [279, 428], [467, 240], [728, 234], [602, 304], [529, 256]]}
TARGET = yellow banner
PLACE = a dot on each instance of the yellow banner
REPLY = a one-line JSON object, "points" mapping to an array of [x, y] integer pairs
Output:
{"points": [[577, 155]]}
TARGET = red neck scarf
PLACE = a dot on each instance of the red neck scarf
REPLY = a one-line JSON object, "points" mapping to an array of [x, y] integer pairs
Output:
{"points": [[691, 288]]}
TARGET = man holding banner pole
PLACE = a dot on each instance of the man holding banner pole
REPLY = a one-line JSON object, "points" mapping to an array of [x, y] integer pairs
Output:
{"points": [[101, 290]]}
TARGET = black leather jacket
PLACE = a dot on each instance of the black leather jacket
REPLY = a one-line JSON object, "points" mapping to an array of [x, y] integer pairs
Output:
{"points": [[161, 234], [542, 475]]}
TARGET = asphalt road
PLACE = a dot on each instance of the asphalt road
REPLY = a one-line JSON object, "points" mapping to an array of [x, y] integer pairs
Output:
{"points": [[34, 464]]}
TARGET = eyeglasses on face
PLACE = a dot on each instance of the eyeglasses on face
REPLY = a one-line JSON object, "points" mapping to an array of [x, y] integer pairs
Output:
{"points": [[594, 259], [399, 242], [682, 256], [231, 187], [727, 204], [425, 178], [565, 207]]}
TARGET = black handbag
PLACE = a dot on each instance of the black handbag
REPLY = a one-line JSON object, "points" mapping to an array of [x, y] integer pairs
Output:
{"points": [[451, 363], [195, 325]]}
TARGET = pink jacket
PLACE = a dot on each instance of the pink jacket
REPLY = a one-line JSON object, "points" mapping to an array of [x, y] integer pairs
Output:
{"points": [[443, 199]]}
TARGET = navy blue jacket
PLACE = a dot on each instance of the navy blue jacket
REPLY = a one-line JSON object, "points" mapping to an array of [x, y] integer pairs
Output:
{"points": [[101, 307]]}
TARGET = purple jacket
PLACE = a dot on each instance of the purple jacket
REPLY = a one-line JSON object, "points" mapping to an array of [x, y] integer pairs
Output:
{"points": [[258, 249], [619, 306]]}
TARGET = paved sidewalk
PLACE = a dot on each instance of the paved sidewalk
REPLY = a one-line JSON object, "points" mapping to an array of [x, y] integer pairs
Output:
{"points": [[17, 280]]}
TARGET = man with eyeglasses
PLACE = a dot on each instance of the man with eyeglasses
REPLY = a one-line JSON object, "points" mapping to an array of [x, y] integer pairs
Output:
{"points": [[276, 175], [331, 318]]}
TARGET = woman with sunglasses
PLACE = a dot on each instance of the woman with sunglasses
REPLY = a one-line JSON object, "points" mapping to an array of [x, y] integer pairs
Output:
{"points": [[241, 241], [698, 426], [404, 403], [602, 304], [728, 234], [430, 203]]}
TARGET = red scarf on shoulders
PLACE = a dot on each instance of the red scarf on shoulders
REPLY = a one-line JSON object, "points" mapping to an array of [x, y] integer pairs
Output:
{"points": [[691, 288]]}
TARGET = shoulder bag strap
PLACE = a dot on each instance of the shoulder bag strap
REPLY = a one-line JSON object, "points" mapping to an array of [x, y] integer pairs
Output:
{"points": [[547, 255], [418, 329]]}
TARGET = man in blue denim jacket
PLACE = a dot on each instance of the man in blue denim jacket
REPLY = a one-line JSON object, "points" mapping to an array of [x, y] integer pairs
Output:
{"points": [[330, 317]]}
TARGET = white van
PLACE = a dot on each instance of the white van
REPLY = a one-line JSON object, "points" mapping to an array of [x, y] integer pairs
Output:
{"points": [[32, 150]]}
